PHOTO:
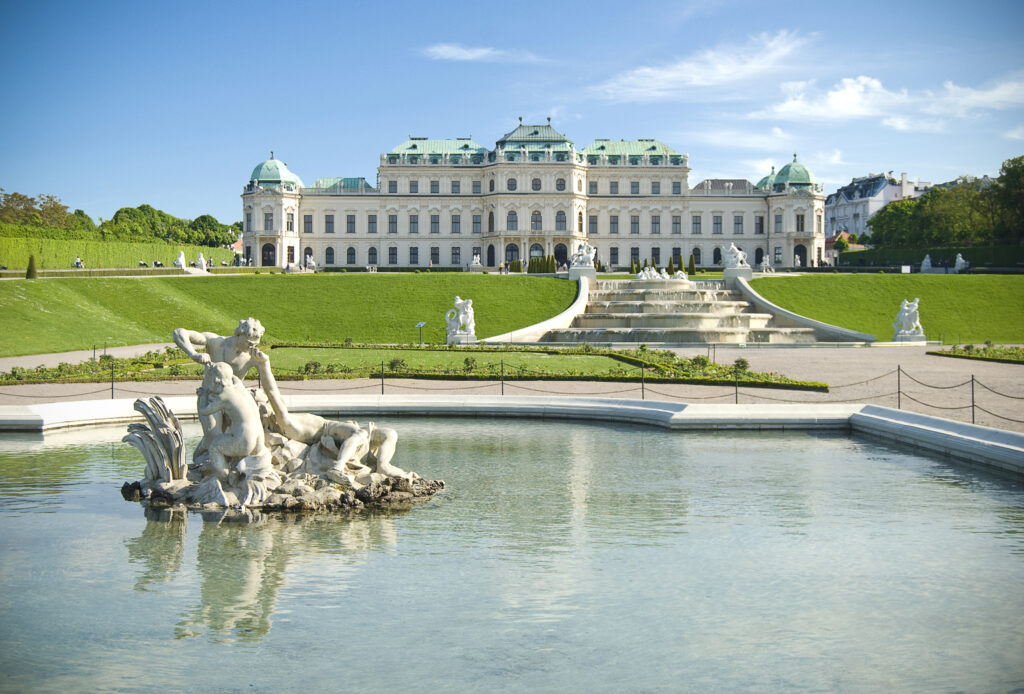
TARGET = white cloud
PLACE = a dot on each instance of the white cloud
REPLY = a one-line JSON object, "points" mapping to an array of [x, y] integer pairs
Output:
{"points": [[487, 54], [836, 158], [724, 65], [1016, 134], [741, 139], [866, 97]]}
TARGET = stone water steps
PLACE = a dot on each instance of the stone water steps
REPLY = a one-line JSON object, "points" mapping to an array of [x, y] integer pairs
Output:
{"points": [[673, 311]]}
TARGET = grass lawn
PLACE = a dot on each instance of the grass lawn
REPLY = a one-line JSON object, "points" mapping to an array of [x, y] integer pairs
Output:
{"points": [[58, 315], [954, 308]]}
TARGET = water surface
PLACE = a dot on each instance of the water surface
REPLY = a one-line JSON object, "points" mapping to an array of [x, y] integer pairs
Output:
{"points": [[562, 557]]}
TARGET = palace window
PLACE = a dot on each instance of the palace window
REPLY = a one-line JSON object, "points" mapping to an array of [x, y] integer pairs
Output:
{"points": [[477, 223], [560, 221], [350, 224], [268, 221], [613, 187], [414, 255], [634, 187], [491, 185], [579, 221], [696, 257], [799, 224], [511, 184], [778, 255], [291, 222], [677, 256], [435, 187], [435, 255], [560, 184], [696, 224], [592, 224], [656, 256], [307, 223], [536, 223], [435, 224], [677, 187], [350, 256], [677, 224], [248, 221], [613, 255], [476, 188], [329, 256], [371, 256], [759, 224], [456, 187], [414, 224], [414, 186], [456, 255], [716, 224], [535, 184], [613, 224], [778, 224], [329, 224], [512, 221], [592, 187], [456, 224], [737, 224], [392, 223], [393, 255], [291, 254], [634, 224], [392, 186], [634, 254], [371, 224], [655, 188]]}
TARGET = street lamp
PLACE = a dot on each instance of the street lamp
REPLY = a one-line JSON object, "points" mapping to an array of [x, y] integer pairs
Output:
{"points": [[420, 326]]}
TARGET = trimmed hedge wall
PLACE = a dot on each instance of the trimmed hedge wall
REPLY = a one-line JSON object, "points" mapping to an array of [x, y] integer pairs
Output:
{"points": [[977, 256], [59, 254]]}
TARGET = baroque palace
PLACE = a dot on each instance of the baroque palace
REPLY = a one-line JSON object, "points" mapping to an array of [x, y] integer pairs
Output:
{"points": [[439, 202]]}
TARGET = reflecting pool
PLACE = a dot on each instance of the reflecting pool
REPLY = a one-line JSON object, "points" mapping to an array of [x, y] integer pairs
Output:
{"points": [[561, 557]]}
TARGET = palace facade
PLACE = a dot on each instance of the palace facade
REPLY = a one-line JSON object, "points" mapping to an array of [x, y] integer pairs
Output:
{"points": [[439, 202]]}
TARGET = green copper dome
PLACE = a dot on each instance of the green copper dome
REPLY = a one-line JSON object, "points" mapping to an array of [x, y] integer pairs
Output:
{"points": [[795, 174], [274, 172], [766, 182]]}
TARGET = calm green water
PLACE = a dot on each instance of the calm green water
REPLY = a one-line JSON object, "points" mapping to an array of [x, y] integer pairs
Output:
{"points": [[563, 557]]}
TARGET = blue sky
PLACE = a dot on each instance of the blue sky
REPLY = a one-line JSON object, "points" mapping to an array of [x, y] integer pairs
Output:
{"points": [[113, 104]]}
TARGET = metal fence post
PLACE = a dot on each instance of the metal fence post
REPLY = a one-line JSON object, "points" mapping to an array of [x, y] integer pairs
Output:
{"points": [[111, 379], [382, 377], [899, 372], [502, 376], [643, 390], [972, 398], [736, 386]]}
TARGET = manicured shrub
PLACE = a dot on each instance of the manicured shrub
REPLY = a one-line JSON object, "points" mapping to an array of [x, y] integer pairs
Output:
{"points": [[691, 267], [30, 273]]}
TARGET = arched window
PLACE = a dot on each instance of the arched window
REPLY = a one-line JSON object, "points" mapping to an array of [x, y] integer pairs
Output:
{"points": [[306, 253], [560, 184], [512, 221], [329, 256], [511, 184], [696, 257], [758, 256], [560, 221], [371, 257], [535, 222], [579, 184], [350, 256], [535, 184], [490, 221], [561, 254], [536, 251], [579, 221], [716, 256], [491, 185], [511, 252]]}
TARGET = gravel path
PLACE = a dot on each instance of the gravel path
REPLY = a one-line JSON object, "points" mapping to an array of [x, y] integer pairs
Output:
{"points": [[928, 384]]}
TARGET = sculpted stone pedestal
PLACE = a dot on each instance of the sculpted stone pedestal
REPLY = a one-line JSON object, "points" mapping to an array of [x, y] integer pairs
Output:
{"points": [[462, 338], [575, 272], [731, 273]]}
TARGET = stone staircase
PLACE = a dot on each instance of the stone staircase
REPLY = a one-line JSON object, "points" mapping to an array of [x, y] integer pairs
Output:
{"points": [[673, 311]]}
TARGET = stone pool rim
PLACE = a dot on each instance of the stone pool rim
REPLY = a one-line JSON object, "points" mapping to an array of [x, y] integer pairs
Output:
{"points": [[996, 449]]}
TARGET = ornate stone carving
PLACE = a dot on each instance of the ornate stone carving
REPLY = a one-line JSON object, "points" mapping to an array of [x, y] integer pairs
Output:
{"points": [[461, 322]]}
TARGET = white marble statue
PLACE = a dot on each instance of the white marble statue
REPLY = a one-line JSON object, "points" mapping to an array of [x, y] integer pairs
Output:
{"points": [[766, 265], [584, 256], [680, 275], [476, 259], [257, 453], [735, 258], [960, 265], [926, 264], [181, 262], [908, 322], [201, 263], [461, 322]]}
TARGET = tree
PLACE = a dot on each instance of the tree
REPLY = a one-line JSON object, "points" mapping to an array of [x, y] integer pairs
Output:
{"points": [[894, 225], [16, 208], [1008, 193], [853, 238], [841, 245], [691, 267]]}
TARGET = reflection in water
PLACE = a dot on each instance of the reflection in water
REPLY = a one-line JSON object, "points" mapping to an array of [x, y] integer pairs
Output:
{"points": [[242, 558]]}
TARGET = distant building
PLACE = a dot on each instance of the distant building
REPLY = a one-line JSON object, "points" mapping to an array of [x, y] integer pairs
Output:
{"points": [[440, 202], [849, 208], [831, 254]]}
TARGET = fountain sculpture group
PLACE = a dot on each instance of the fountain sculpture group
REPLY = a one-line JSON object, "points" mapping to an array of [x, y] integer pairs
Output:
{"points": [[254, 452]]}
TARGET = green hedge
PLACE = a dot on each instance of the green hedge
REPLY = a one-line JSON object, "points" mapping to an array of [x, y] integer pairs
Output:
{"points": [[977, 256], [59, 254]]}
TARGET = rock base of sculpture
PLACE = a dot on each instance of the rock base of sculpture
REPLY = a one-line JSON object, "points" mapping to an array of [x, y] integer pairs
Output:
{"points": [[476, 267], [730, 274], [909, 337], [575, 272]]}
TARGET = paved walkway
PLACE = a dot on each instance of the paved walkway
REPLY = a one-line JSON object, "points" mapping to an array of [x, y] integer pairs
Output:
{"points": [[928, 384]]}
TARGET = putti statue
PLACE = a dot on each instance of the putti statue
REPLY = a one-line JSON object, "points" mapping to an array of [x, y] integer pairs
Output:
{"points": [[908, 323], [584, 255], [461, 323], [960, 264], [180, 261], [766, 264], [926, 264], [254, 452]]}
